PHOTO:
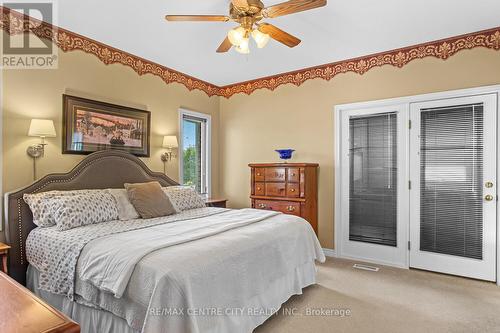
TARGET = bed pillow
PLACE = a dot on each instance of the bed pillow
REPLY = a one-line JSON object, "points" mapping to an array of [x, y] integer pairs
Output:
{"points": [[42, 207], [126, 210], [72, 211], [149, 200], [184, 197]]}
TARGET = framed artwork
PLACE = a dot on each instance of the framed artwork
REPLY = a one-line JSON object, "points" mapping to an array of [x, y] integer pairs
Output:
{"points": [[89, 126]]}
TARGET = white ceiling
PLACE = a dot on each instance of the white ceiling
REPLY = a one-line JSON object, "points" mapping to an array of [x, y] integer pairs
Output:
{"points": [[343, 29]]}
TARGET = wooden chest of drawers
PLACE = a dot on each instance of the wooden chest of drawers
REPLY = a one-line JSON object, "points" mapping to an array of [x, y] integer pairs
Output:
{"points": [[291, 188]]}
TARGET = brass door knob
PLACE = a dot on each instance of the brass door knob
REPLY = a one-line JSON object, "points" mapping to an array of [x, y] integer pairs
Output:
{"points": [[489, 197], [488, 185]]}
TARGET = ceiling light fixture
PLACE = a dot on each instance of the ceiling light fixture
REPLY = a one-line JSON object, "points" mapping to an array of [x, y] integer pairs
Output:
{"points": [[261, 39], [249, 14], [240, 38], [243, 48], [236, 35]]}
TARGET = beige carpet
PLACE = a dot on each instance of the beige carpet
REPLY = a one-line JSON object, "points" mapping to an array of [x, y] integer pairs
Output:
{"points": [[391, 300]]}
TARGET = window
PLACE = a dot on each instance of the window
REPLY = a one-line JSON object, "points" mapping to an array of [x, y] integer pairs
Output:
{"points": [[195, 150], [373, 179], [451, 176]]}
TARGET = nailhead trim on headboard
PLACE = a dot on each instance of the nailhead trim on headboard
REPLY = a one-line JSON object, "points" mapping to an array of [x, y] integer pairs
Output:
{"points": [[16, 224], [19, 226]]}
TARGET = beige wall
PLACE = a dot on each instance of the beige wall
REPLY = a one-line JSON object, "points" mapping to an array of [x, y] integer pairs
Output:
{"points": [[38, 94], [251, 127], [245, 128]]}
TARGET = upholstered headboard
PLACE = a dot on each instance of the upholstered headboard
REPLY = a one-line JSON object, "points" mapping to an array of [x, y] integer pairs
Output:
{"points": [[103, 169]]}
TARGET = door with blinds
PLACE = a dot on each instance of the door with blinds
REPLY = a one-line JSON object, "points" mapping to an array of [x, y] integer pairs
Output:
{"points": [[374, 196], [453, 194]]}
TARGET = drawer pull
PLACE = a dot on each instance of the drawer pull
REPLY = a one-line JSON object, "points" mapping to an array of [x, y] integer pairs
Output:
{"points": [[292, 190], [261, 205], [258, 173], [293, 175], [290, 208], [258, 189]]}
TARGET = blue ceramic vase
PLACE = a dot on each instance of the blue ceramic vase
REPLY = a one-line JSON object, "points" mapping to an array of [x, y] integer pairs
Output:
{"points": [[285, 154]]}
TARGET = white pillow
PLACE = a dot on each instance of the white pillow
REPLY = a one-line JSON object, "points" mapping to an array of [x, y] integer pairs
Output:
{"points": [[184, 197], [42, 208], [126, 210], [83, 209]]}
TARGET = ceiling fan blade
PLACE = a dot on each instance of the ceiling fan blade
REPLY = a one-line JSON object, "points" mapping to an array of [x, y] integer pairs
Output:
{"points": [[225, 46], [293, 6], [279, 35], [239, 3], [210, 18]]}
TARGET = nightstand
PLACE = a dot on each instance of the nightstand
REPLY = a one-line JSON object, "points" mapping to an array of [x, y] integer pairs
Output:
{"points": [[4, 253], [211, 202]]}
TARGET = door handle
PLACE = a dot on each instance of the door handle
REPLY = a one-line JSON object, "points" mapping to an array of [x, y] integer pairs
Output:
{"points": [[488, 197], [488, 185]]}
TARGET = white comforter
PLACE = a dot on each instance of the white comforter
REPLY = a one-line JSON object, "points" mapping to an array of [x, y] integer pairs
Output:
{"points": [[222, 273]]}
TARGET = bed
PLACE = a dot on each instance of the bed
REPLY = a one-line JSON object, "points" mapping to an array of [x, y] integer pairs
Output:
{"points": [[201, 270]]}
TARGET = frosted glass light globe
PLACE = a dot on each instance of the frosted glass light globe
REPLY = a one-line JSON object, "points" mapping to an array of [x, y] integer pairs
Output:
{"points": [[260, 38], [236, 36], [243, 47]]}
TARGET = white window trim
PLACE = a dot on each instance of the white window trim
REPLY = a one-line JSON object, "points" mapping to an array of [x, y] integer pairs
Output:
{"points": [[407, 100], [208, 148]]}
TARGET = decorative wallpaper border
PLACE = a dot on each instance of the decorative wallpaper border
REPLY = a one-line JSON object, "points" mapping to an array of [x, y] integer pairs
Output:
{"points": [[13, 23], [442, 49]]}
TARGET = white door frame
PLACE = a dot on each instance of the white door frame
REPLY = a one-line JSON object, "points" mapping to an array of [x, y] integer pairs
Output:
{"points": [[457, 265], [495, 89], [388, 255]]}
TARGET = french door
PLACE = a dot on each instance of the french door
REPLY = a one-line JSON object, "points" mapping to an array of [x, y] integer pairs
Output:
{"points": [[453, 199], [418, 185], [374, 207]]}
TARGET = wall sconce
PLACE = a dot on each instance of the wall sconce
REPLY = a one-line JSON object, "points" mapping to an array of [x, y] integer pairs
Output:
{"points": [[42, 128], [170, 143]]}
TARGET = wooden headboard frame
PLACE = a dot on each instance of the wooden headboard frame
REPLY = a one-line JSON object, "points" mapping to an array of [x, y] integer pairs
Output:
{"points": [[100, 170]]}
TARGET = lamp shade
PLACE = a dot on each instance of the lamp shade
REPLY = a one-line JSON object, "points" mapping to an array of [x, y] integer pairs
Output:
{"points": [[42, 128], [170, 141]]}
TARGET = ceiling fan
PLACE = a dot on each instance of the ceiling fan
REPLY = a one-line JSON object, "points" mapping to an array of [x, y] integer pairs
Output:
{"points": [[249, 14]]}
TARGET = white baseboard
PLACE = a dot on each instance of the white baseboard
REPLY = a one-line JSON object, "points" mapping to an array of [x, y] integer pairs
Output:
{"points": [[329, 253]]}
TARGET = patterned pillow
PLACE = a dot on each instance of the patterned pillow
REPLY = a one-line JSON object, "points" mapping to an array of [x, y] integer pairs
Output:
{"points": [[184, 197], [83, 209], [42, 208]]}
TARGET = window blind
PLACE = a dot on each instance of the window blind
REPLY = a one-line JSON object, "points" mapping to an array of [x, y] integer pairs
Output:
{"points": [[373, 179], [451, 178]]}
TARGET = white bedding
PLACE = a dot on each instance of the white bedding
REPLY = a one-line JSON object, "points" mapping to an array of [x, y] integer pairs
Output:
{"points": [[237, 267], [112, 259], [55, 253]]}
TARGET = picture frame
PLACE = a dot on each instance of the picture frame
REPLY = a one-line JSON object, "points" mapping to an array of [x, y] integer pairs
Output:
{"points": [[90, 126]]}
